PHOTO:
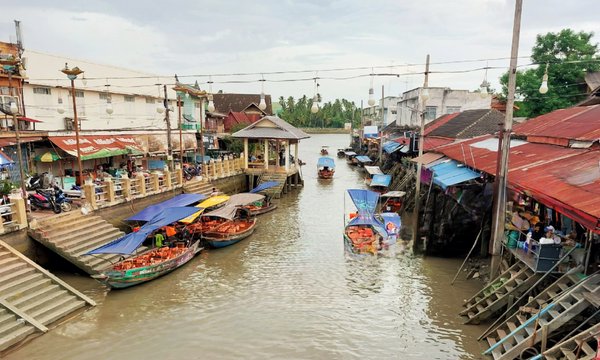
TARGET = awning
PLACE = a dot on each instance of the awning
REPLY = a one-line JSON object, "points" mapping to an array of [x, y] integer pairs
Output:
{"points": [[373, 170], [226, 212], [128, 243], [349, 153], [5, 159], [451, 173], [390, 194], [208, 203], [391, 217], [391, 146], [12, 141], [26, 119], [427, 158], [180, 200], [98, 146], [326, 161], [243, 199], [363, 159], [381, 180], [264, 186], [364, 200]]}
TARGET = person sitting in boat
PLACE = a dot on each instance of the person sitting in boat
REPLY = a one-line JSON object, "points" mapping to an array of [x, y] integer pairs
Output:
{"points": [[159, 239]]}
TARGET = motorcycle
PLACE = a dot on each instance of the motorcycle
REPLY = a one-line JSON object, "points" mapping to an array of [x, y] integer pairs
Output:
{"points": [[33, 182], [189, 172], [42, 200], [62, 199]]}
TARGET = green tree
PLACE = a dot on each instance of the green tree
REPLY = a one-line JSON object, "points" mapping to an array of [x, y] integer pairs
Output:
{"points": [[569, 55], [331, 114]]}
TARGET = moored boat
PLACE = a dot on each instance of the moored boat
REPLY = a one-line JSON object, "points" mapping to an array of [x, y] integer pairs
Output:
{"points": [[372, 171], [234, 223], [324, 150], [380, 183], [212, 203], [266, 204], [392, 201], [342, 152], [325, 167], [152, 263], [351, 158]]}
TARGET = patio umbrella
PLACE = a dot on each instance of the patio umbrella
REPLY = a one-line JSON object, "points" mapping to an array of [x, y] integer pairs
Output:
{"points": [[48, 156]]}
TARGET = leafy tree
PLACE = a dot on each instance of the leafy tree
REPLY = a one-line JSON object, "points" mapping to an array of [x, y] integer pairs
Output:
{"points": [[330, 115], [569, 55]]}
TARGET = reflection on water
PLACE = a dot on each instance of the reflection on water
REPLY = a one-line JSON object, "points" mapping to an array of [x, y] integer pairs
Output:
{"points": [[289, 291]]}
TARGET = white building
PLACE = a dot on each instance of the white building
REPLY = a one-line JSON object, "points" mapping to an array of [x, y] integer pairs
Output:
{"points": [[372, 114], [441, 101]]}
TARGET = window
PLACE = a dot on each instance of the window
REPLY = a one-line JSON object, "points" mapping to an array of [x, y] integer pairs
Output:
{"points": [[129, 98], [430, 112], [79, 93], [4, 90], [149, 101], [42, 90], [103, 96], [452, 109]]}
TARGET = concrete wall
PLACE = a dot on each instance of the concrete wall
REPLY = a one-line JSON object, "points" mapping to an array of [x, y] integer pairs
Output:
{"points": [[232, 184]]}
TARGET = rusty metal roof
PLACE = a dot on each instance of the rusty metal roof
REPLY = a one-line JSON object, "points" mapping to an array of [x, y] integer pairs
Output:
{"points": [[566, 179], [432, 142], [576, 123]]}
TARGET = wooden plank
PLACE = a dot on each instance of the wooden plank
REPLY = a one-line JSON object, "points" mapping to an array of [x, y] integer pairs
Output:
{"points": [[48, 274], [592, 298], [23, 315]]}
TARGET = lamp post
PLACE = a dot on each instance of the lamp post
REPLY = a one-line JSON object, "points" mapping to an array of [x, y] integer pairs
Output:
{"points": [[72, 75]]}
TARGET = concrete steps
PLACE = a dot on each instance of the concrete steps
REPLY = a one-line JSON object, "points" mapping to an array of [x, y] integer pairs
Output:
{"points": [[198, 187], [31, 299], [275, 191], [73, 234]]}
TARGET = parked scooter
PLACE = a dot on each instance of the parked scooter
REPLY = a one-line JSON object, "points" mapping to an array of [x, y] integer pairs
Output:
{"points": [[61, 199], [44, 201], [190, 171]]}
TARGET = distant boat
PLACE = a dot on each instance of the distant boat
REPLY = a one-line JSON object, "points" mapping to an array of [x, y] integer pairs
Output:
{"points": [[324, 150], [342, 152], [149, 264], [325, 167]]}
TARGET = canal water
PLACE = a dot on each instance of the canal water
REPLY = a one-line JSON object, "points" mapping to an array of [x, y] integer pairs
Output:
{"points": [[287, 292]]}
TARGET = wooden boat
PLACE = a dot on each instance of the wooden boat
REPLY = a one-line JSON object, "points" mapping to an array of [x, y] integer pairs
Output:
{"points": [[324, 150], [342, 152], [267, 206], [152, 263], [229, 233], [325, 167], [392, 201], [351, 158], [148, 265], [361, 239]]}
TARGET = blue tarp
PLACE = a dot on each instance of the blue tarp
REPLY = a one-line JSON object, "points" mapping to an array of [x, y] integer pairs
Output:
{"points": [[326, 161], [381, 180], [364, 200], [363, 159], [264, 186], [180, 200], [451, 173], [128, 243], [391, 146]]}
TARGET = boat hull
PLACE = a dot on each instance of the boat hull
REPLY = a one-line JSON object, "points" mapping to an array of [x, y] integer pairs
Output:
{"points": [[263, 210], [119, 279], [323, 174], [218, 241]]}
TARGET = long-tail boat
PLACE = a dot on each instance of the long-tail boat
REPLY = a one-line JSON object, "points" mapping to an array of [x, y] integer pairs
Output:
{"points": [[324, 150], [266, 204], [149, 264], [325, 167], [232, 223]]}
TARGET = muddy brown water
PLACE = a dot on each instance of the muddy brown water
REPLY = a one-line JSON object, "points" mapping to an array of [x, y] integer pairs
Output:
{"points": [[287, 292]]}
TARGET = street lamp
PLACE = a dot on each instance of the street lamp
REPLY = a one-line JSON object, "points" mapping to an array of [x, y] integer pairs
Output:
{"points": [[72, 75]]}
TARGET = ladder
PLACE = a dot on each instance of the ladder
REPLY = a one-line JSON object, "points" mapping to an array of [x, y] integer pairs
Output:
{"points": [[581, 346], [544, 298], [547, 320], [508, 286]]}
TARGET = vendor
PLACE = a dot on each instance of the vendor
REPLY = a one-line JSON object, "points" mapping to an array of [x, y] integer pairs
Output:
{"points": [[549, 237]]}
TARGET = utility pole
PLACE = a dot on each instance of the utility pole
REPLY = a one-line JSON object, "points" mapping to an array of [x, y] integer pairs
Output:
{"points": [[202, 116], [169, 145], [361, 131], [415, 237], [382, 126], [180, 130], [499, 206], [14, 110]]}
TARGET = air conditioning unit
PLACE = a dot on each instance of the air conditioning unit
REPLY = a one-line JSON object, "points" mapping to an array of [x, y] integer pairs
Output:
{"points": [[69, 124], [6, 100]]}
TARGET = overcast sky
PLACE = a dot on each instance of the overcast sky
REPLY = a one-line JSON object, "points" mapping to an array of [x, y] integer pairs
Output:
{"points": [[222, 37]]}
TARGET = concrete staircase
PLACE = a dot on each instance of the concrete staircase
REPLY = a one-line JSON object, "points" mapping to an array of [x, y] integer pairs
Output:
{"points": [[275, 191], [73, 234], [197, 187], [31, 298], [508, 286]]}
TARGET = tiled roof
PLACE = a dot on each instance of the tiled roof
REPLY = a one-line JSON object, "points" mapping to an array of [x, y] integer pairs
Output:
{"points": [[224, 103], [468, 124], [271, 127], [442, 120]]}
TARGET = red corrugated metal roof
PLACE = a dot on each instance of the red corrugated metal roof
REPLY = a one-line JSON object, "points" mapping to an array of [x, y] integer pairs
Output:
{"points": [[576, 123], [566, 179], [433, 142], [439, 122]]}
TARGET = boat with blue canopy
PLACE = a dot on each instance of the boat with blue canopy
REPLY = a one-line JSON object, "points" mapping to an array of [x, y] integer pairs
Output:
{"points": [[364, 233], [380, 182], [325, 167], [180, 200], [151, 263], [266, 204]]}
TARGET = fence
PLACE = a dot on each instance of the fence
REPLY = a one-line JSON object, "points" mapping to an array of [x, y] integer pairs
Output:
{"points": [[13, 215], [223, 168]]}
